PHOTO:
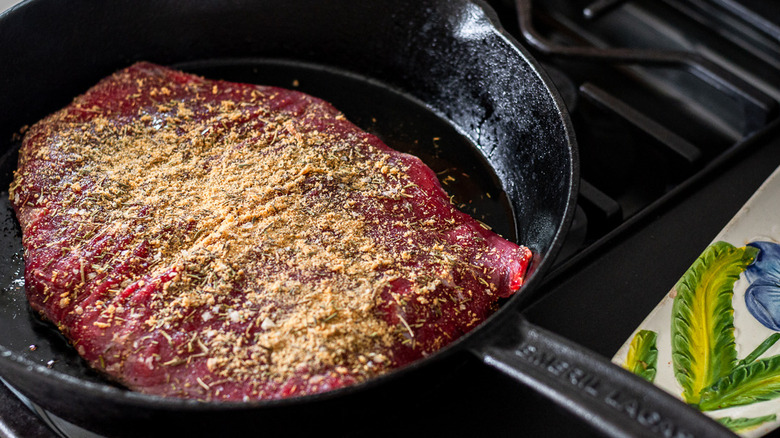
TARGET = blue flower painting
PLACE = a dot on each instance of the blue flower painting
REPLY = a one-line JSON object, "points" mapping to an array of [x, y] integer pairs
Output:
{"points": [[763, 295]]}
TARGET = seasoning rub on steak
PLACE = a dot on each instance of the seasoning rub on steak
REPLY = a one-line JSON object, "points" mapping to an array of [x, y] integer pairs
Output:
{"points": [[222, 241]]}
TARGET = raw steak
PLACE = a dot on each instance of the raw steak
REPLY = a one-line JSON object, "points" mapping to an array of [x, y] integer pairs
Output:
{"points": [[215, 240]]}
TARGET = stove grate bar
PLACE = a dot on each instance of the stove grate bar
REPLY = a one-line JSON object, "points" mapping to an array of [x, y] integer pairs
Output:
{"points": [[758, 108], [600, 7], [681, 148], [603, 212]]}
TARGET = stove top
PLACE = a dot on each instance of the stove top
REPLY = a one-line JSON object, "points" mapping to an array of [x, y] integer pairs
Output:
{"points": [[675, 108]]}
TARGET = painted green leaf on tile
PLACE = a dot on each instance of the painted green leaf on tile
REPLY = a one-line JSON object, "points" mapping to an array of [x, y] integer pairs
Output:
{"points": [[642, 355], [761, 349], [745, 424], [754, 382], [703, 347]]}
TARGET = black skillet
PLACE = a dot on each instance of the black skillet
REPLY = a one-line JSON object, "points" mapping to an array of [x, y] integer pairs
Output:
{"points": [[438, 78]]}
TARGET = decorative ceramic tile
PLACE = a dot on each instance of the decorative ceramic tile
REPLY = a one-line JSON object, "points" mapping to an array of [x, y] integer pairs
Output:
{"points": [[712, 341]]}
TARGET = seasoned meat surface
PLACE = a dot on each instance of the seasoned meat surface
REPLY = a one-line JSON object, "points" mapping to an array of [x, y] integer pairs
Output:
{"points": [[213, 240]]}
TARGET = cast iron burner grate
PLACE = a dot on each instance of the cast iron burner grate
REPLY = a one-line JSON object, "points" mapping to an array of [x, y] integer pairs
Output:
{"points": [[660, 94]]}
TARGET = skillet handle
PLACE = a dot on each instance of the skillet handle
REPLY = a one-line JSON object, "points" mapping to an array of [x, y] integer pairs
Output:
{"points": [[614, 401]]}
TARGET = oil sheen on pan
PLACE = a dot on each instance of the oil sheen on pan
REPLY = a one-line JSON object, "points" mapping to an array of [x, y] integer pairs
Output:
{"points": [[222, 241]]}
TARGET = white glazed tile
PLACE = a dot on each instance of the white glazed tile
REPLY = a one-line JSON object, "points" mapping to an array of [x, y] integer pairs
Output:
{"points": [[758, 220]]}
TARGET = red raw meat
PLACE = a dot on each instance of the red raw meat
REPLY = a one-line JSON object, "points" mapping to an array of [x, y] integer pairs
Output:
{"points": [[215, 240]]}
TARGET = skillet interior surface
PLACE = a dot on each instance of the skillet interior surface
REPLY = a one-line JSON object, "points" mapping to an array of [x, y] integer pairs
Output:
{"points": [[417, 71], [400, 121]]}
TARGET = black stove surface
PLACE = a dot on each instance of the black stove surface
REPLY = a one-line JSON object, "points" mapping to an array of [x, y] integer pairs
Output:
{"points": [[675, 107]]}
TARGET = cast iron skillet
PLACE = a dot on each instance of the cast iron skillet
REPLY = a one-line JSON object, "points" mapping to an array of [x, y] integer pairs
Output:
{"points": [[435, 77]]}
